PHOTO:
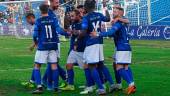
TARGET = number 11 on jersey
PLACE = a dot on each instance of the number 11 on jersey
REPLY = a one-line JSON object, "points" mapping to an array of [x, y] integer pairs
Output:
{"points": [[48, 30]]}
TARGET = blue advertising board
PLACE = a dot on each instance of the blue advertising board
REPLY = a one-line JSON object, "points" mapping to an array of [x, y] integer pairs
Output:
{"points": [[149, 32]]}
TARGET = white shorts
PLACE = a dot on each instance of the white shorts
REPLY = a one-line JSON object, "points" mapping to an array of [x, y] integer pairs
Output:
{"points": [[42, 57], [123, 57], [58, 51], [75, 57], [93, 54]]}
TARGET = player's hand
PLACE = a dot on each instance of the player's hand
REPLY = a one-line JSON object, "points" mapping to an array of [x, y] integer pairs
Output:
{"points": [[76, 32], [31, 48], [115, 20], [93, 34], [75, 48]]}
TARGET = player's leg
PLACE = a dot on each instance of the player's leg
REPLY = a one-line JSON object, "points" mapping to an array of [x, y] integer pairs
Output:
{"points": [[31, 82], [107, 75], [89, 81], [123, 58], [46, 74], [131, 88], [103, 79], [40, 58], [49, 78], [118, 85], [37, 76], [62, 72], [101, 58], [70, 79], [70, 72], [96, 78], [91, 56], [52, 55], [90, 84], [129, 71], [105, 70]]}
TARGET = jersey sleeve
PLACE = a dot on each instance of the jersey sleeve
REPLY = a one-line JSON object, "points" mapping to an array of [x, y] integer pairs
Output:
{"points": [[60, 30], [84, 24], [36, 30], [112, 31], [105, 18]]}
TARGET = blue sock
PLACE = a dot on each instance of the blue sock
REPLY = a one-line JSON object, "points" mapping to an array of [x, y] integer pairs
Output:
{"points": [[129, 71], [55, 77], [70, 73], [62, 72], [107, 74], [102, 78], [89, 79], [96, 78], [118, 77], [32, 75], [49, 78], [123, 73], [37, 76], [45, 77]]}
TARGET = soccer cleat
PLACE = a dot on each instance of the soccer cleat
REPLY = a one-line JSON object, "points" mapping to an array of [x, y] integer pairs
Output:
{"points": [[63, 84], [112, 88], [101, 92], [28, 84], [82, 87], [130, 90], [50, 88], [38, 91], [44, 84], [87, 90], [118, 87], [104, 86], [56, 90], [68, 88]]}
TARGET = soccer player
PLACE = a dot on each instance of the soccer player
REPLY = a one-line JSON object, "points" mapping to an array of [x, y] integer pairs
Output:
{"points": [[54, 5], [77, 46], [45, 37], [93, 53], [123, 53], [30, 18], [124, 20], [81, 10], [76, 49]]}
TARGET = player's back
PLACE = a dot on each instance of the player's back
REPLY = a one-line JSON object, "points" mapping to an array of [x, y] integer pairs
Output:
{"points": [[94, 20], [46, 33], [121, 38]]}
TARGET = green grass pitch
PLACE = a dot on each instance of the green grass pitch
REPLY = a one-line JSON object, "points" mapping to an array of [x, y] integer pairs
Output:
{"points": [[151, 67]]}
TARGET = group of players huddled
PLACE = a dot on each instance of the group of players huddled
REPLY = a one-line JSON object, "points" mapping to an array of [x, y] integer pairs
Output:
{"points": [[86, 49]]}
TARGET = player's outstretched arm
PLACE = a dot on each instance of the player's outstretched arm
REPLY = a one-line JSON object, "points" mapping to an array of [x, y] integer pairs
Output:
{"points": [[60, 30], [110, 32]]}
